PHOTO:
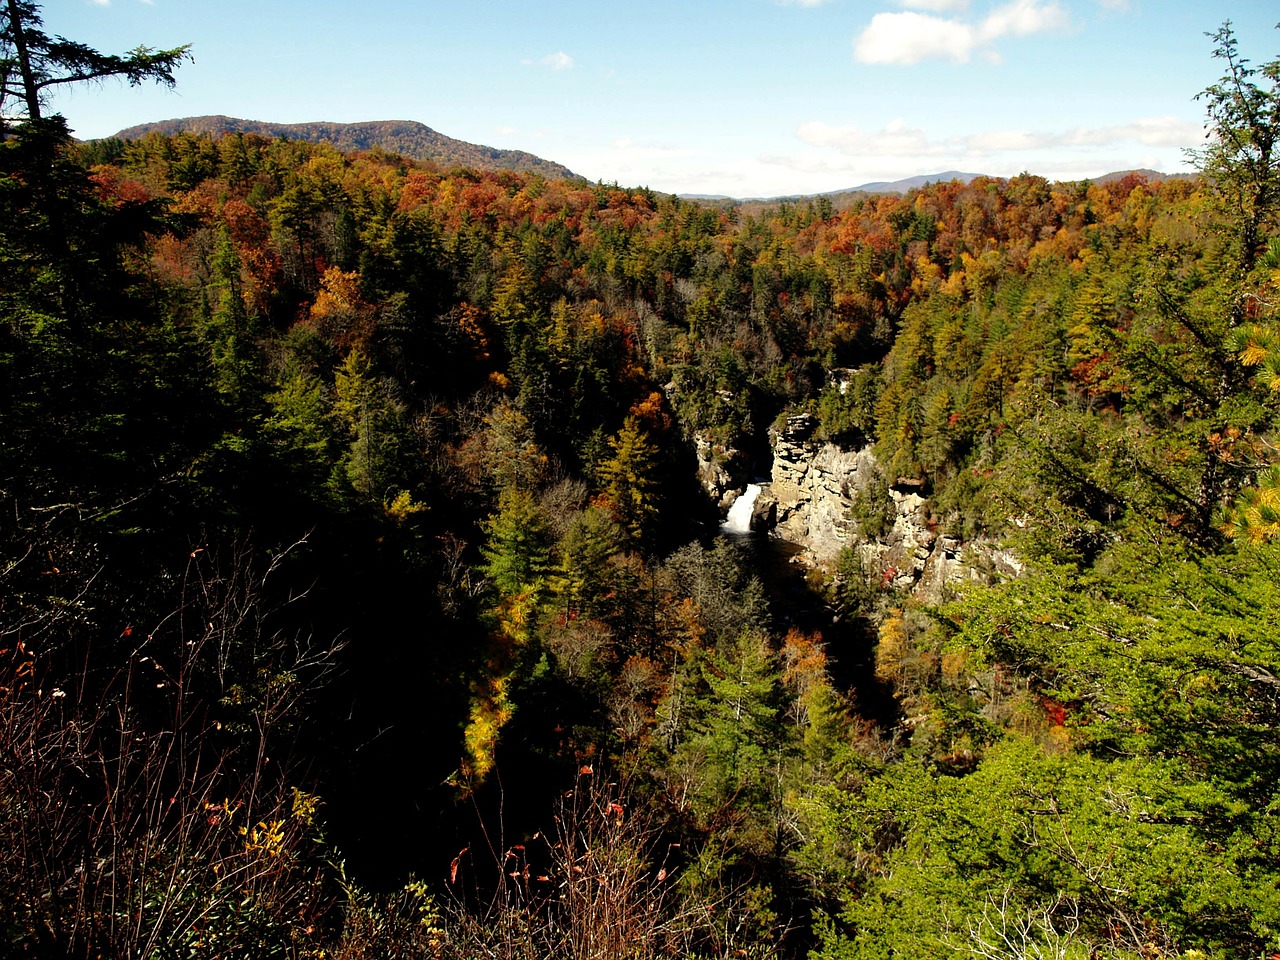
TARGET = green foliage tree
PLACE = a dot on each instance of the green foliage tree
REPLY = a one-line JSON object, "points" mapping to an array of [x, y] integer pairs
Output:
{"points": [[299, 415], [365, 408], [32, 62], [1243, 154], [1255, 515], [582, 556], [1076, 864], [735, 729], [229, 330], [518, 552], [512, 451], [1162, 689]]}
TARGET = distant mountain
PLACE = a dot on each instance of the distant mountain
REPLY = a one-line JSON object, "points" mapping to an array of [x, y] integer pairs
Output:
{"points": [[405, 137], [897, 186], [910, 183], [842, 198], [1121, 174], [1152, 175], [913, 183]]}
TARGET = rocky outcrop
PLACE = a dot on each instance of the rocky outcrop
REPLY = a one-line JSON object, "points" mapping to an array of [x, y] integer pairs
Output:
{"points": [[810, 502], [812, 489], [951, 562], [722, 470]]}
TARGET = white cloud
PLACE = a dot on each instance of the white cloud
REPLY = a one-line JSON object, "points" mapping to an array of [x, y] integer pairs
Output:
{"points": [[999, 141], [935, 6], [661, 165], [1148, 131], [1151, 131], [101, 3], [556, 61], [814, 165], [1022, 18], [907, 38], [648, 149], [897, 139], [801, 3], [830, 156]]}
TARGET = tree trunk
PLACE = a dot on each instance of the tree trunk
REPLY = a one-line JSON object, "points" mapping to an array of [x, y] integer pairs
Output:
{"points": [[29, 85]]}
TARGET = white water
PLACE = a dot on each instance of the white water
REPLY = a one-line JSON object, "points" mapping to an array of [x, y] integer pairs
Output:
{"points": [[739, 520]]}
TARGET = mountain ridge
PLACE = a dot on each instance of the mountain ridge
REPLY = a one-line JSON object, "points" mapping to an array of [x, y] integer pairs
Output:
{"points": [[409, 138], [878, 186], [416, 140], [914, 183]]}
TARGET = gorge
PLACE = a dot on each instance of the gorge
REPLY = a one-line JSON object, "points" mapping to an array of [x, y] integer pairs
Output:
{"points": [[363, 588]]}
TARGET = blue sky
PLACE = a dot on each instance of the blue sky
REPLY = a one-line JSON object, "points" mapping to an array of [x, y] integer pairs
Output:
{"points": [[738, 97]]}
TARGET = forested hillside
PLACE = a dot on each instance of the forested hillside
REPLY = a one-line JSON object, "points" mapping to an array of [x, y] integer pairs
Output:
{"points": [[407, 138], [358, 597]]}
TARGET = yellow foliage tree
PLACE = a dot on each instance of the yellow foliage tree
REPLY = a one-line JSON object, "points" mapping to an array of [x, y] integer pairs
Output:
{"points": [[628, 478]]}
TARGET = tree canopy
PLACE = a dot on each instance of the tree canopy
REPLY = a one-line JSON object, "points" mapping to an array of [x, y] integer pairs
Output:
{"points": [[358, 598], [32, 62]]}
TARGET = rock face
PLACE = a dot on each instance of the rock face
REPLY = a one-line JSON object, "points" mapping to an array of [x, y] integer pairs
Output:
{"points": [[810, 500], [722, 470], [812, 490]]}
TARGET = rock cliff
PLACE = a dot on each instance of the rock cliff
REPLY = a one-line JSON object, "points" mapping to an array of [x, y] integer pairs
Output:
{"points": [[812, 489], [810, 502], [722, 470]]}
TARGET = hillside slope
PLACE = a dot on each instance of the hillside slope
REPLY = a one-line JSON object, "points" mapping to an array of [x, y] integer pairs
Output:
{"points": [[406, 137]]}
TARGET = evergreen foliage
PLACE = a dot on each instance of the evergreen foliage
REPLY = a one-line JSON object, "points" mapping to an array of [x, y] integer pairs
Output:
{"points": [[346, 519]]}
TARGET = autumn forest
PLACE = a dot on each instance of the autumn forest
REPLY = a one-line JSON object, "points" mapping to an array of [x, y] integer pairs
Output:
{"points": [[363, 591]]}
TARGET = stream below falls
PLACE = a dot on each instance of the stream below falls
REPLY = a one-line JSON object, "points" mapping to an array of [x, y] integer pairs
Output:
{"points": [[794, 601]]}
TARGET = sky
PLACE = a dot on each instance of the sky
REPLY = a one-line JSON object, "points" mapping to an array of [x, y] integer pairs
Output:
{"points": [[744, 98]]}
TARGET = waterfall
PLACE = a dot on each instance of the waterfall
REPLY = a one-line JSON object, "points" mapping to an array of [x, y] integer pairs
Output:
{"points": [[739, 520]]}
